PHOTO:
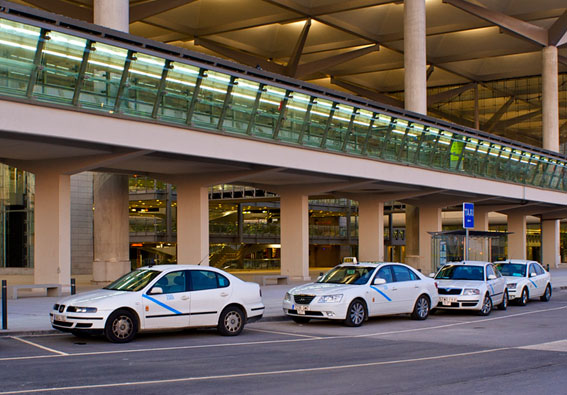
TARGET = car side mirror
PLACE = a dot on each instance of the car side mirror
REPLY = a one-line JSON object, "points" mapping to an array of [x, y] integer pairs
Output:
{"points": [[156, 291], [432, 275], [379, 281], [492, 276], [533, 274]]}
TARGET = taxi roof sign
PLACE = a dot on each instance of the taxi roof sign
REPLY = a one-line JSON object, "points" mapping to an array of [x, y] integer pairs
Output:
{"points": [[350, 259]]}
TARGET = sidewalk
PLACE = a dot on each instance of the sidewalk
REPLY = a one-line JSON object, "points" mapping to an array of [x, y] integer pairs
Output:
{"points": [[30, 315]]}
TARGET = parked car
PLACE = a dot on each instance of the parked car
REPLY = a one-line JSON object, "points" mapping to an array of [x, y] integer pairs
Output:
{"points": [[471, 285], [525, 279], [161, 297], [352, 292]]}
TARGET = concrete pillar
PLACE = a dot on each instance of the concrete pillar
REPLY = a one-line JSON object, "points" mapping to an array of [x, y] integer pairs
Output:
{"points": [[550, 244], [370, 230], [421, 220], [294, 217], [550, 99], [415, 79], [112, 13], [111, 227], [192, 223], [517, 239], [481, 218], [52, 217]]}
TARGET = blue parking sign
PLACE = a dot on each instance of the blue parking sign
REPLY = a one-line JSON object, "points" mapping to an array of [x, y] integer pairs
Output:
{"points": [[468, 215]]}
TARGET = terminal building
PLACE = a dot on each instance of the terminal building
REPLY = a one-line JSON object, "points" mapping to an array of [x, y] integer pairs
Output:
{"points": [[277, 136]]}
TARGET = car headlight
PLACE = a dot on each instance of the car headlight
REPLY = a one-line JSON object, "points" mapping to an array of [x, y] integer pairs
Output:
{"points": [[330, 298], [287, 297], [471, 291], [511, 285], [75, 309]]}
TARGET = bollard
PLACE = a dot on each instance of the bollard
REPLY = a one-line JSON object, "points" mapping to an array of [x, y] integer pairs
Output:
{"points": [[4, 305], [547, 267], [73, 287]]}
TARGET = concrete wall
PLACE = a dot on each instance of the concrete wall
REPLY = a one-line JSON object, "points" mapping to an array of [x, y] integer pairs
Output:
{"points": [[82, 223]]}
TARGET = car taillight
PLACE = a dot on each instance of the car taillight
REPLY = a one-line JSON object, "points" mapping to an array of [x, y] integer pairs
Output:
{"points": [[436, 285]]}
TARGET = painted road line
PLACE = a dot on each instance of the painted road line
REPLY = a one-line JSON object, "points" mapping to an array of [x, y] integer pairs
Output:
{"points": [[38, 346], [284, 333], [258, 374], [559, 346]]}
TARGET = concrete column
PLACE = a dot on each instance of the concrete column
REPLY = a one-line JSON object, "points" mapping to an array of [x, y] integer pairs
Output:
{"points": [[111, 227], [112, 13], [517, 239], [481, 218], [370, 230], [294, 217], [52, 215], [192, 223], [550, 99], [415, 79], [429, 221], [550, 245]]}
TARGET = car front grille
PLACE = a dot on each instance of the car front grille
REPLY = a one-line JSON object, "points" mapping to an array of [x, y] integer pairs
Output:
{"points": [[63, 324], [449, 291], [303, 299], [307, 313]]}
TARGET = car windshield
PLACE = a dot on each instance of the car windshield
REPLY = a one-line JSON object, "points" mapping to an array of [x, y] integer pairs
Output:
{"points": [[133, 281], [356, 275], [512, 269], [461, 272]]}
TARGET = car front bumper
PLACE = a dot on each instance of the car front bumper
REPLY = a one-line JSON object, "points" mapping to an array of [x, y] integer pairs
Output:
{"points": [[458, 302], [68, 322], [331, 311]]}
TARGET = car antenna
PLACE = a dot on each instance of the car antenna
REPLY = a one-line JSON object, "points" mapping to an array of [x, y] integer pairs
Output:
{"points": [[205, 257]]}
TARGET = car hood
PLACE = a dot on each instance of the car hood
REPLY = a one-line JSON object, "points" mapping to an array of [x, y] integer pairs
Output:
{"points": [[321, 288], [459, 284], [91, 298]]}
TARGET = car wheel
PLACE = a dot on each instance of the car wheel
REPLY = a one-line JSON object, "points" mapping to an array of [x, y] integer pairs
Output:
{"points": [[524, 297], [547, 294], [300, 320], [356, 313], [421, 308], [121, 326], [486, 306], [504, 304], [231, 321]]}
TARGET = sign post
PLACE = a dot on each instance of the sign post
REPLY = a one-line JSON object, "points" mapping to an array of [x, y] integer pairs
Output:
{"points": [[468, 223]]}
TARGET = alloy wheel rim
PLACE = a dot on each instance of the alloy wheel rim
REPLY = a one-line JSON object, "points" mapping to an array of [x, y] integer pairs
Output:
{"points": [[486, 305], [524, 297], [122, 327], [232, 321], [422, 307], [357, 313]]}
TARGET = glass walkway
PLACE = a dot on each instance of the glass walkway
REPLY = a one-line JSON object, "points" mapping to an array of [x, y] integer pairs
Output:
{"points": [[86, 67]]}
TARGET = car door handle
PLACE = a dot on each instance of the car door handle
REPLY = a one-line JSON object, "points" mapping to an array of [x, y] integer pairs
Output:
{"points": [[184, 297], [223, 294], [394, 289]]}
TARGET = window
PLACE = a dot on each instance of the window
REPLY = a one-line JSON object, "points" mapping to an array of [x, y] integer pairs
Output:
{"points": [[205, 279], [532, 270], [489, 271], [386, 274], [403, 273], [539, 270], [172, 282]]}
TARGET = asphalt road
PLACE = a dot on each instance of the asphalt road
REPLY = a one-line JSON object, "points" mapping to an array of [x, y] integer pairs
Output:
{"points": [[522, 350]]}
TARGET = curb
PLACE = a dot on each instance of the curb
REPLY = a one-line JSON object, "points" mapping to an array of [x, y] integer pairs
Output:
{"points": [[8, 332]]}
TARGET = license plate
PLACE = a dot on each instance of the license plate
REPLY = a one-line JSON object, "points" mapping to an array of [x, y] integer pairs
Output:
{"points": [[448, 301], [301, 310], [58, 317]]}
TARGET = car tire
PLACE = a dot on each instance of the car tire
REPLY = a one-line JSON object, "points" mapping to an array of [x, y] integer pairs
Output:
{"points": [[421, 309], [231, 321], [547, 294], [300, 320], [121, 326], [486, 306], [356, 313], [505, 299], [524, 297]]}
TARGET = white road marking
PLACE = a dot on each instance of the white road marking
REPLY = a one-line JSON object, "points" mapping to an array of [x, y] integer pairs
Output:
{"points": [[39, 346], [157, 349], [257, 374], [560, 346], [284, 333]]}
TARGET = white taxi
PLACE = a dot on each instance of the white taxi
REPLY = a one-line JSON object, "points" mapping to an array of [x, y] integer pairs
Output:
{"points": [[525, 279], [472, 285], [161, 297], [352, 292]]}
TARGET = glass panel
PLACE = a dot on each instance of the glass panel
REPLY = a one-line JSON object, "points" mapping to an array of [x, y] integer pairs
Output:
{"points": [[102, 77], [339, 127], [18, 43], [210, 100], [141, 87], [380, 130], [179, 88], [268, 112], [61, 59], [294, 116], [358, 131], [241, 107], [318, 118]]}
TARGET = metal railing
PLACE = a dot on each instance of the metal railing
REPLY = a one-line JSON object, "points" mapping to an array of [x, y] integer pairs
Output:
{"points": [[46, 58]]}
